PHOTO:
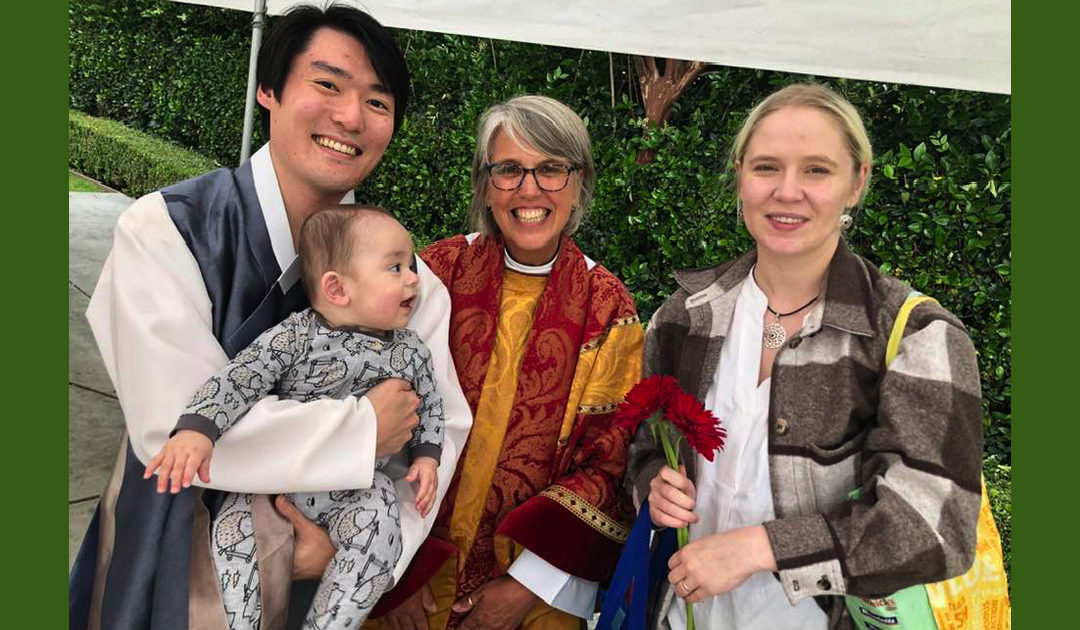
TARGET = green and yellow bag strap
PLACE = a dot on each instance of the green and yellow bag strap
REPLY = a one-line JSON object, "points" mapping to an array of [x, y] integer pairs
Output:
{"points": [[908, 608], [913, 299]]}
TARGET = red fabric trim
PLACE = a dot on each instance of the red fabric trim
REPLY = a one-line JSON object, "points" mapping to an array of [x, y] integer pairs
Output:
{"points": [[429, 557], [550, 531]]}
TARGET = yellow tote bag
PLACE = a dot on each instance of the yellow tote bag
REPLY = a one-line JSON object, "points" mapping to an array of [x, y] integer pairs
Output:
{"points": [[978, 599]]}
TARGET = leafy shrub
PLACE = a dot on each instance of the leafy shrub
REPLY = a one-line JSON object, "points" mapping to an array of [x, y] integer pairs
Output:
{"points": [[126, 159], [999, 491], [938, 213], [174, 70]]}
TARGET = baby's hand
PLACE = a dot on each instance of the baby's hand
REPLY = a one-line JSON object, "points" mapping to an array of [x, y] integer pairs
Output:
{"points": [[424, 473], [184, 454]]}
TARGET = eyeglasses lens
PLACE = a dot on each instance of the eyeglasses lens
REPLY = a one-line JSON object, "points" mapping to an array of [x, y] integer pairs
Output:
{"points": [[549, 177]]}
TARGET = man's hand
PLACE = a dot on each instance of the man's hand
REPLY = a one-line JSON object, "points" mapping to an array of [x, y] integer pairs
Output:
{"points": [[671, 498], [412, 613], [501, 604], [183, 455], [424, 474], [312, 549], [395, 406]]}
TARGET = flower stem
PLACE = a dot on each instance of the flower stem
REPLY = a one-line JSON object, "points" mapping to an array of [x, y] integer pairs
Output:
{"points": [[682, 535], [669, 451]]}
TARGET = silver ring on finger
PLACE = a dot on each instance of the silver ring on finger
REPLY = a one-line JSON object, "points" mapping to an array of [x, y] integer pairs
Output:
{"points": [[685, 589]]}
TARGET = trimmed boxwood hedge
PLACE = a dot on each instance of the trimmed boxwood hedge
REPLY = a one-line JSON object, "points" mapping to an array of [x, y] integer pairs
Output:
{"points": [[127, 159]]}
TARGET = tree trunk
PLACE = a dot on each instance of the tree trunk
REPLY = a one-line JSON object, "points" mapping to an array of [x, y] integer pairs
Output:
{"points": [[659, 91]]}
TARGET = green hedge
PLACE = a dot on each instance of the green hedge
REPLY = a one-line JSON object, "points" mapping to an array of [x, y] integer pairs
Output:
{"points": [[938, 213], [175, 70], [999, 490], [126, 159]]}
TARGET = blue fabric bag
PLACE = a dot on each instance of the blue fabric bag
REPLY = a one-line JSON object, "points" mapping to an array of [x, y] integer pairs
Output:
{"points": [[624, 604]]}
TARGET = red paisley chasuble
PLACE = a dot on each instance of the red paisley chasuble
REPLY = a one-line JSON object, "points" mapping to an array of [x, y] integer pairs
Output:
{"points": [[555, 484]]}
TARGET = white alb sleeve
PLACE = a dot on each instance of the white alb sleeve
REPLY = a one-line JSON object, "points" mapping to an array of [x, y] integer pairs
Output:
{"points": [[556, 587]]}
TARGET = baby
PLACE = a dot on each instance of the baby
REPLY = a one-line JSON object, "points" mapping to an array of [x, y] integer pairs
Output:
{"points": [[356, 267]]}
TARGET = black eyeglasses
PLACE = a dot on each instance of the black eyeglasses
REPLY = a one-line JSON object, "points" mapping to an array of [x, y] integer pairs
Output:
{"points": [[551, 177]]}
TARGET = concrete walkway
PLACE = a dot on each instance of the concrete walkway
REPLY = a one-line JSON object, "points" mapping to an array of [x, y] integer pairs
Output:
{"points": [[95, 423]]}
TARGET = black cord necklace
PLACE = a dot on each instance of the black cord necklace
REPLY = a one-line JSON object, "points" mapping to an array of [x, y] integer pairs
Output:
{"points": [[775, 335]]}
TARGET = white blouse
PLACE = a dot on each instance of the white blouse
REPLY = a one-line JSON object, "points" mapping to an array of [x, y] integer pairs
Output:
{"points": [[733, 490]]}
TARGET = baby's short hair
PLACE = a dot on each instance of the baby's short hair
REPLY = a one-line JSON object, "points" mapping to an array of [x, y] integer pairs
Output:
{"points": [[328, 241]]}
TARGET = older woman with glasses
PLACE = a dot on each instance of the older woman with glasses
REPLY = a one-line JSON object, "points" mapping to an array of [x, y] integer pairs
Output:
{"points": [[546, 342]]}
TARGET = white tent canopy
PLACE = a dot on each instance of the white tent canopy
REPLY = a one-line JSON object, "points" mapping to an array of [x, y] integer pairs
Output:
{"points": [[962, 44]]}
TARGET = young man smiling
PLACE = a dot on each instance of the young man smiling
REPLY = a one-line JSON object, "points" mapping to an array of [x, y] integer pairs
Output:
{"points": [[197, 271]]}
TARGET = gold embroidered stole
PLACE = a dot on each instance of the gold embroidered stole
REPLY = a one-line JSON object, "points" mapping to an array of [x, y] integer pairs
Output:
{"points": [[520, 294]]}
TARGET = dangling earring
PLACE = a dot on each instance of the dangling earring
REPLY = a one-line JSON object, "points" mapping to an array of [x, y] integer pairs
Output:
{"points": [[738, 211], [845, 220]]}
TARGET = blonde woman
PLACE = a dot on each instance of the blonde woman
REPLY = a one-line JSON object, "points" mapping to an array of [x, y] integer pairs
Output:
{"points": [[786, 344]]}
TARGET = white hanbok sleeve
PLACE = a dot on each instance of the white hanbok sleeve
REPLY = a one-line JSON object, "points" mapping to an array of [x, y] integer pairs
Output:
{"points": [[431, 321], [151, 317]]}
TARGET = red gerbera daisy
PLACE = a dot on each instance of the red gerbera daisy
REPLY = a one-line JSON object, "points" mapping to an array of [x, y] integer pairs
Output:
{"points": [[696, 423], [643, 400], [683, 416]]}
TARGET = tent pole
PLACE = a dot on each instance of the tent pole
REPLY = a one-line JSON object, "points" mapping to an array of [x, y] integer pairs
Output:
{"points": [[258, 18]]}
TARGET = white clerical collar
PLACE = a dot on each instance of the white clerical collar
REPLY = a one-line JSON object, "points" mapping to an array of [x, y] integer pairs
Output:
{"points": [[277, 220], [529, 270]]}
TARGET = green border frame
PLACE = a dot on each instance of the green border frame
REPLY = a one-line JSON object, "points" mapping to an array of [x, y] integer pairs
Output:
{"points": [[1045, 117], [1044, 246], [34, 110]]}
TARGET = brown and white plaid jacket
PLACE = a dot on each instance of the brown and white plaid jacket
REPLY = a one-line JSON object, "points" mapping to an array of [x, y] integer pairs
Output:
{"points": [[910, 436]]}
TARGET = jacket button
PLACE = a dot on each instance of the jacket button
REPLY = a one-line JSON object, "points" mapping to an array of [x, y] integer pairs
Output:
{"points": [[781, 426], [795, 341], [824, 583]]}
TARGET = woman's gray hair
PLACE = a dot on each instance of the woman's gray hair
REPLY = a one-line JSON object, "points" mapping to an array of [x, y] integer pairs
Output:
{"points": [[549, 127]]}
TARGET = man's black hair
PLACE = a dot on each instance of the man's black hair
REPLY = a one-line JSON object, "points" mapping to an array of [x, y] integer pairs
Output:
{"points": [[291, 34]]}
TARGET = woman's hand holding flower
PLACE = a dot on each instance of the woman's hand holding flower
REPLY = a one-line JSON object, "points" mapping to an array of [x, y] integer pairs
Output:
{"points": [[672, 497], [716, 564]]}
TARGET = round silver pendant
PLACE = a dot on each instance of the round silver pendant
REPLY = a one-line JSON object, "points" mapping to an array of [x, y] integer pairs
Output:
{"points": [[774, 336]]}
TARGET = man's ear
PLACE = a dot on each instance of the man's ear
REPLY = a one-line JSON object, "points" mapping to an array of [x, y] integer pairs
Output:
{"points": [[265, 97], [333, 289]]}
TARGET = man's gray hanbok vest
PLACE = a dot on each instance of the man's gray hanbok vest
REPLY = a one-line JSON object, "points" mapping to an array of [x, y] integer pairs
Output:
{"points": [[219, 217]]}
